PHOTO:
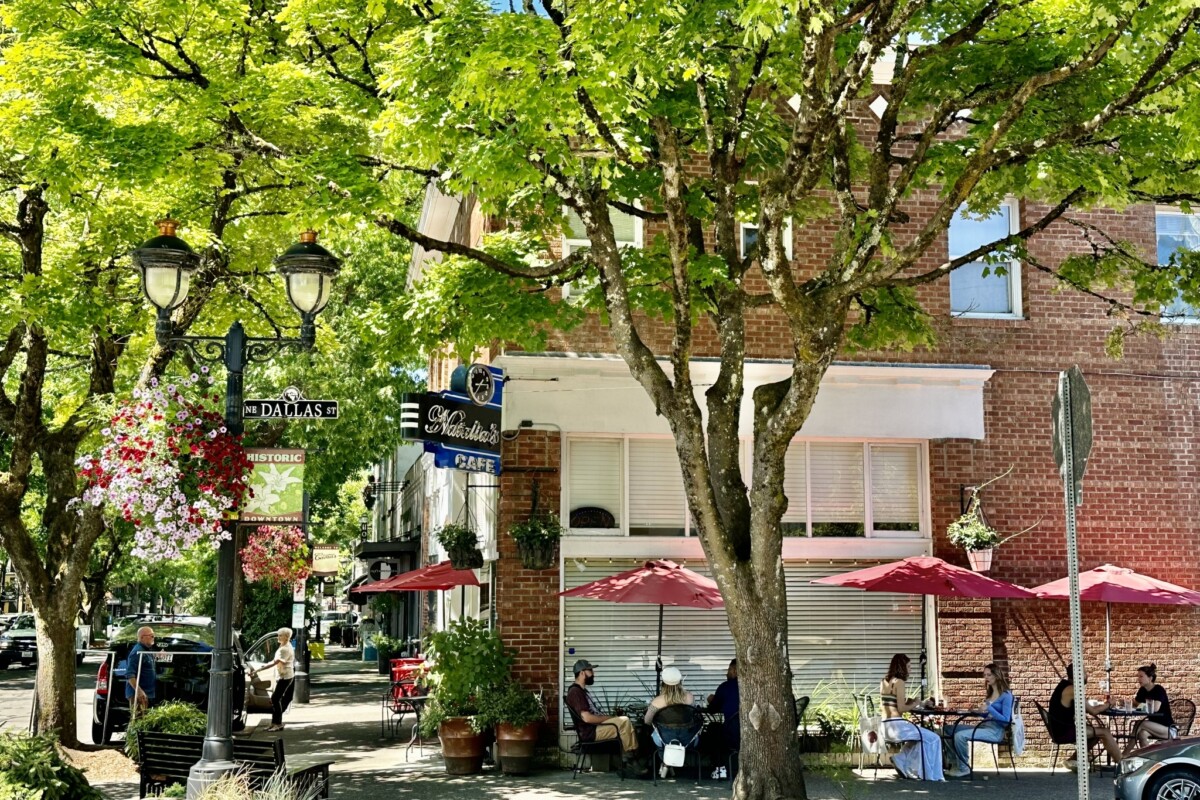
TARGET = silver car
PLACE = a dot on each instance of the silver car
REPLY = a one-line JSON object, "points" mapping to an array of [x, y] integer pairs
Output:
{"points": [[1166, 771]]}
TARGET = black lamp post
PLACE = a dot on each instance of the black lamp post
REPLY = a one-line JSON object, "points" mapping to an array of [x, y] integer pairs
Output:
{"points": [[166, 264]]}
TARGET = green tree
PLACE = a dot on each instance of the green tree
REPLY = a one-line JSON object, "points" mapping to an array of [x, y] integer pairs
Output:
{"points": [[116, 113], [713, 112]]}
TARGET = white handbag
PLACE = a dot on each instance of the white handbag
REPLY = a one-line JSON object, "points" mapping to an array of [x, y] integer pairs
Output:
{"points": [[673, 754]]}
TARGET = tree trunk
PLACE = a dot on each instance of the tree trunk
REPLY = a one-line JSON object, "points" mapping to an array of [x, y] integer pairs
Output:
{"points": [[56, 674]]}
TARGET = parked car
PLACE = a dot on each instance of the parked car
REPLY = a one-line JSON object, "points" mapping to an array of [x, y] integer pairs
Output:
{"points": [[183, 666], [260, 686], [18, 642], [1166, 771]]}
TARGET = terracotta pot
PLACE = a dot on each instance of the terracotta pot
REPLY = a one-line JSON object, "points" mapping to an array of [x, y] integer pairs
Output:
{"points": [[515, 747], [462, 747], [537, 556], [981, 560]]}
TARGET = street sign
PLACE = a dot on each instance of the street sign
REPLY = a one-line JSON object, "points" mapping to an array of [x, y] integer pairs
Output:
{"points": [[290, 405], [1076, 423]]}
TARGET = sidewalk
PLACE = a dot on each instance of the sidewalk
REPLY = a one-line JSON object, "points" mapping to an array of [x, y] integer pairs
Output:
{"points": [[343, 722]]}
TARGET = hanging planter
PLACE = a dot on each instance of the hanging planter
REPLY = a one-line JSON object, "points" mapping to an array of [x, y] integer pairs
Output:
{"points": [[981, 560], [277, 555], [461, 545], [537, 540], [169, 467]]}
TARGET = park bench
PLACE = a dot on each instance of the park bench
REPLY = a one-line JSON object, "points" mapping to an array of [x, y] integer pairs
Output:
{"points": [[167, 758]]}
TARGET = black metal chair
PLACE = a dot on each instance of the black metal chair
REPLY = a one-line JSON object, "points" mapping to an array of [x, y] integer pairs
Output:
{"points": [[1183, 712], [1059, 742], [1008, 740], [583, 749], [680, 724]]}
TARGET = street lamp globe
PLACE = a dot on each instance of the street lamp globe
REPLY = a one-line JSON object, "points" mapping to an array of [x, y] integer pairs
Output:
{"points": [[166, 264], [309, 270]]}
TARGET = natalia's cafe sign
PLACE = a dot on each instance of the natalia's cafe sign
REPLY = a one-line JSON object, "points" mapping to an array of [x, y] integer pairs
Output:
{"points": [[460, 427]]}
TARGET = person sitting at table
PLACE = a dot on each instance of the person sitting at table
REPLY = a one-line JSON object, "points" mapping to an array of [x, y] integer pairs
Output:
{"points": [[997, 715], [671, 693], [1158, 724], [594, 726], [726, 701], [920, 764], [1062, 719]]}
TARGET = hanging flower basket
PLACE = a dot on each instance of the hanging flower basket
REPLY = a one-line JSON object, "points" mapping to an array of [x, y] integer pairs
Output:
{"points": [[538, 555], [981, 560], [169, 467], [461, 545], [277, 555], [465, 557]]}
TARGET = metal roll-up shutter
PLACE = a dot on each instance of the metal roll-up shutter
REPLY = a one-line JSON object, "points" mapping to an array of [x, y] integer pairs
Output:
{"points": [[840, 639]]}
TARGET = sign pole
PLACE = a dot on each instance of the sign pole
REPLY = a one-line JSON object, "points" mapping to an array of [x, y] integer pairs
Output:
{"points": [[1072, 443]]}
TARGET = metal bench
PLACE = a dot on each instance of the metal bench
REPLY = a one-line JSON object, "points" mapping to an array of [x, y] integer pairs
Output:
{"points": [[167, 758]]}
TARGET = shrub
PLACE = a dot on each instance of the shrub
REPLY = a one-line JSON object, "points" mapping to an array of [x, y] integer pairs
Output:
{"points": [[508, 703], [466, 659], [236, 786], [31, 768], [174, 717]]}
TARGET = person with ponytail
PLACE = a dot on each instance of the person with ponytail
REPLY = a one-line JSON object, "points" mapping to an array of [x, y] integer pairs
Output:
{"points": [[997, 709], [1159, 724]]}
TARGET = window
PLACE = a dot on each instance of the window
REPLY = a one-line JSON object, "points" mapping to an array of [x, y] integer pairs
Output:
{"points": [[980, 289], [626, 227], [835, 489], [1177, 231], [749, 234]]}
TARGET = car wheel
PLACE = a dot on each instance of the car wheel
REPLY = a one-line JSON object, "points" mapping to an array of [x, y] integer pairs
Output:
{"points": [[79, 659], [1176, 783]]}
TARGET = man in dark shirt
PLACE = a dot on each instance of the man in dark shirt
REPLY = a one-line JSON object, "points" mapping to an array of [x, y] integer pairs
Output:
{"points": [[143, 682], [726, 700], [594, 726]]}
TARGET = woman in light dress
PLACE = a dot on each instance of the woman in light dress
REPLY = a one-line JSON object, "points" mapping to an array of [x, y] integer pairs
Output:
{"points": [[921, 756]]}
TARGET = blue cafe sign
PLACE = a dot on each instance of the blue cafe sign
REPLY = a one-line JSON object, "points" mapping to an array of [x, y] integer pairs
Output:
{"points": [[461, 427]]}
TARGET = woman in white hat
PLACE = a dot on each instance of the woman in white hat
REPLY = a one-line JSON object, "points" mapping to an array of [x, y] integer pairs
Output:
{"points": [[670, 693]]}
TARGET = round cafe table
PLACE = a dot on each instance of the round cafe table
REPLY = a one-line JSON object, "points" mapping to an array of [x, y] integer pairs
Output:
{"points": [[1124, 721]]}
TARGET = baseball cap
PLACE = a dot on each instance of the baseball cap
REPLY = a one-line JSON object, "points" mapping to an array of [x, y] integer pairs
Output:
{"points": [[583, 664], [672, 676]]}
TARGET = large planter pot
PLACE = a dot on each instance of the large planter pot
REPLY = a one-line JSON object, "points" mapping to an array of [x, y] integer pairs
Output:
{"points": [[465, 557], [515, 747], [981, 560], [462, 747], [537, 556], [384, 661]]}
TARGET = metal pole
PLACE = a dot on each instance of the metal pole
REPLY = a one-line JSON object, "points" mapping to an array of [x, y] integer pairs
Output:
{"points": [[1080, 673], [216, 759], [302, 679]]}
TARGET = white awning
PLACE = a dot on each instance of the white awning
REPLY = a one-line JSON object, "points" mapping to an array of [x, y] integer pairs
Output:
{"points": [[596, 394]]}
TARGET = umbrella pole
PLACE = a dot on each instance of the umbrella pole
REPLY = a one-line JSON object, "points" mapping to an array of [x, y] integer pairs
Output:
{"points": [[924, 654], [1107, 646], [658, 660]]}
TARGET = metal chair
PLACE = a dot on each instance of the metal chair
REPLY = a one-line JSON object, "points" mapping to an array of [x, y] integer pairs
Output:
{"points": [[1183, 712], [883, 726], [1058, 743], [677, 723], [1008, 740], [583, 749]]}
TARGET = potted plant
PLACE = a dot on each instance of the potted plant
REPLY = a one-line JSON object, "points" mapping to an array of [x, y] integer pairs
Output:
{"points": [[387, 648], [972, 533], [465, 661], [461, 545], [517, 715], [537, 538]]}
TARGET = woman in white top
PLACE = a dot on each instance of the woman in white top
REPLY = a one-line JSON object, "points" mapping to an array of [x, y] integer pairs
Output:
{"points": [[921, 756], [285, 676]]}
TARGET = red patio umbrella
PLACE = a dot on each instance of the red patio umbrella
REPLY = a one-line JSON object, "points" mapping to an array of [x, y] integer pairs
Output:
{"points": [[660, 583], [433, 578], [926, 575], [1110, 584]]}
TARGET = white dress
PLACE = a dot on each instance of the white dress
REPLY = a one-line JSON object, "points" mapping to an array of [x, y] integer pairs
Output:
{"points": [[917, 742]]}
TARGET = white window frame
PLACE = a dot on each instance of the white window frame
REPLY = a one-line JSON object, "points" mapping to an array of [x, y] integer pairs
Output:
{"points": [[1013, 276], [787, 237], [1193, 315], [924, 521], [569, 245]]}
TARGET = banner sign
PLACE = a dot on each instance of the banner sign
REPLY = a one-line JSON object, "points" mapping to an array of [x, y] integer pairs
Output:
{"points": [[325, 559], [276, 485], [460, 427]]}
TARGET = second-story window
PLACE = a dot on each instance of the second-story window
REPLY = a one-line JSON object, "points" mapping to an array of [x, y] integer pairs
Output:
{"points": [[982, 289], [749, 236], [1177, 231], [626, 228]]}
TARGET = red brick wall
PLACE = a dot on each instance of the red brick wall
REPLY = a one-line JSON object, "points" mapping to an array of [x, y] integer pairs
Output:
{"points": [[526, 600]]}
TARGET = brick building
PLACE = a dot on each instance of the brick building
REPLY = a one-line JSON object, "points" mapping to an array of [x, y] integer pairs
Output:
{"points": [[882, 466]]}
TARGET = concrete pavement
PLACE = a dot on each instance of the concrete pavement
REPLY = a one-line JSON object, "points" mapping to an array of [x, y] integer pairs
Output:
{"points": [[343, 721]]}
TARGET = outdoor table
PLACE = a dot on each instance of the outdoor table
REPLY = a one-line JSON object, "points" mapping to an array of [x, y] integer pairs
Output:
{"points": [[1124, 721], [928, 718]]}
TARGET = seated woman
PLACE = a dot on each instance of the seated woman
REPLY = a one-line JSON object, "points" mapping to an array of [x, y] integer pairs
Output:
{"points": [[1159, 725], [672, 693], [910, 760], [1062, 719], [997, 710]]}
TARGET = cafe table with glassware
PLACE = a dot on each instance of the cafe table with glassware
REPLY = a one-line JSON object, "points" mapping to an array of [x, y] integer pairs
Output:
{"points": [[938, 717], [1125, 716]]}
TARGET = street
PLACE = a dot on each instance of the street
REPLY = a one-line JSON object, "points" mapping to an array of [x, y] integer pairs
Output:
{"points": [[16, 696]]}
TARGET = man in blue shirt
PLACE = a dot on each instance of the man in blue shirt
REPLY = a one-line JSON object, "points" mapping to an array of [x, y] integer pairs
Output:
{"points": [[141, 685]]}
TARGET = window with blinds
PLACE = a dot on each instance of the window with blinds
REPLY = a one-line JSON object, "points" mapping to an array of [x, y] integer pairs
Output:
{"points": [[627, 229], [895, 501], [594, 475], [836, 488], [657, 503], [838, 639], [795, 488]]}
